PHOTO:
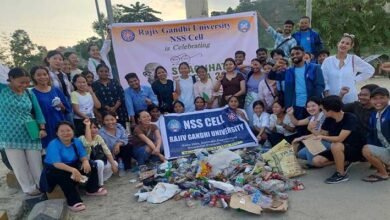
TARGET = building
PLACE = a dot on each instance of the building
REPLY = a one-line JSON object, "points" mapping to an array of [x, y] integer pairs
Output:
{"points": [[197, 8]]}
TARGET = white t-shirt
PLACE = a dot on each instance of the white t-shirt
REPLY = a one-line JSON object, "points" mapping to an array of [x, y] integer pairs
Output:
{"points": [[85, 103], [187, 93], [279, 128], [261, 121]]}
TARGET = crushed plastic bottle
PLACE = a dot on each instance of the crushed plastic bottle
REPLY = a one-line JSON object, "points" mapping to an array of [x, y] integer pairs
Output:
{"points": [[240, 180]]}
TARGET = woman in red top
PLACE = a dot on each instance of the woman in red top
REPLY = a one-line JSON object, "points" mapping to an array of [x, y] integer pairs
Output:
{"points": [[233, 83]]}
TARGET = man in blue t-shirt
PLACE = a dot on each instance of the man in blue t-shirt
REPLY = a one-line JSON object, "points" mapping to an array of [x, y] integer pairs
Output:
{"points": [[308, 38], [301, 81]]}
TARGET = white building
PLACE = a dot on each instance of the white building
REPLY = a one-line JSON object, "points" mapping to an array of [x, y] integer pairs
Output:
{"points": [[197, 8]]}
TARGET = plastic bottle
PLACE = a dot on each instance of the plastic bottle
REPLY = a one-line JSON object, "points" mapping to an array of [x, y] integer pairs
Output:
{"points": [[240, 180], [121, 165]]}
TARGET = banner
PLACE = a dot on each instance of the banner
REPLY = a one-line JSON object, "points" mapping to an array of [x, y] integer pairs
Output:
{"points": [[141, 47], [211, 129]]}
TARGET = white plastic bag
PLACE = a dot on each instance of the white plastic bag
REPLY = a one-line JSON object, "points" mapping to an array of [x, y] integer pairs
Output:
{"points": [[222, 160], [162, 192]]}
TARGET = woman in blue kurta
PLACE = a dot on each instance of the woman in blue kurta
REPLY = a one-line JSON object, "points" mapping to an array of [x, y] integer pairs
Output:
{"points": [[16, 107], [52, 101]]}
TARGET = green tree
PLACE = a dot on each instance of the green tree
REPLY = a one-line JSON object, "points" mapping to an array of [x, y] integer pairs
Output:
{"points": [[366, 19], [81, 47], [24, 52], [138, 13], [275, 11], [116, 13], [4, 50]]}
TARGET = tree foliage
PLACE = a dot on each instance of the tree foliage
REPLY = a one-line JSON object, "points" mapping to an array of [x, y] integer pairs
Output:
{"points": [[24, 52], [366, 19], [138, 13], [275, 11]]}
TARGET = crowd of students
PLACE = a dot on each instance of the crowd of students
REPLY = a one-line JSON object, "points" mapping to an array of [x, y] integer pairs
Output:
{"points": [[83, 115]]}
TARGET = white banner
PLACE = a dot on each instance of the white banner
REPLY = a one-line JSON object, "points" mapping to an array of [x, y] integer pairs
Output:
{"points": [[141, 47]]}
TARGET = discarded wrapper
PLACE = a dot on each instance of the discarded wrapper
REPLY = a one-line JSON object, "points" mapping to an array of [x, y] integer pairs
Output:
{"points": [[244, 202]]}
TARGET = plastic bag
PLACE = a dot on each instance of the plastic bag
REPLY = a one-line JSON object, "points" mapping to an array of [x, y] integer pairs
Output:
{"points": [[162, 192], [222, 160], [228, 188]]}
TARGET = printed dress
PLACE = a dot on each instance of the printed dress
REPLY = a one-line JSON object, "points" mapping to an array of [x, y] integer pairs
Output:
{"points": [[15, 110], [108, 95]]}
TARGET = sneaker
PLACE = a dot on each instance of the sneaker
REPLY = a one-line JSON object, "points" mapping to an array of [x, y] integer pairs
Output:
{"points": [[337, 178], [347, 166]]}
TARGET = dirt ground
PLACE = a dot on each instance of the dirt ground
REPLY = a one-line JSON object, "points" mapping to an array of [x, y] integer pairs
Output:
{"points": [[354, 199]]}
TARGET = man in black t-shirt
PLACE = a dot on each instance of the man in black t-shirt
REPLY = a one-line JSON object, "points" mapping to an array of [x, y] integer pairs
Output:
{"points": [[347, 141]]}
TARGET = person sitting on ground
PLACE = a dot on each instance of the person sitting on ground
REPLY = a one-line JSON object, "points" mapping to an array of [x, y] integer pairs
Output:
{"points": [[260, 121], [280, 125], [377, 150], [63, 157], [313, 122], [155, 113], [362, 108], [98, 151], [347, 141], [116, 138], [200, 103], [233, 104], [147, 140], [178, 107]]}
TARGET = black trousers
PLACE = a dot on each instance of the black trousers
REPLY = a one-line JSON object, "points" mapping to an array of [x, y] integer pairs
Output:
{"points": [[125, 154], [70, 187]]}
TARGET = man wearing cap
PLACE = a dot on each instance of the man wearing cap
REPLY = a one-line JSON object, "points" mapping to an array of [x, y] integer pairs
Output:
{"points": [[377, 150]]}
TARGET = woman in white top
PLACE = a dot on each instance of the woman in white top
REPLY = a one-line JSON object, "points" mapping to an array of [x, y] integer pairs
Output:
{"points": [[185, 87], [205, 88], [340, 71], [83, 102], [99, 57]]}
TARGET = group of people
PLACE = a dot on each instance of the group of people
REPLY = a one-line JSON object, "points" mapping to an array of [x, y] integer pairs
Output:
{"points": [[83, 117]]}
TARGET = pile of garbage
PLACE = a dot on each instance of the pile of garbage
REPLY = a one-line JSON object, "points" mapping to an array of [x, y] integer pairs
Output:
{"points": [[244, 179]]}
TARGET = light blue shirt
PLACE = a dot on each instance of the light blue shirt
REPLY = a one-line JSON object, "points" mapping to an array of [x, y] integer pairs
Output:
{"points": [[305, 41], [135, 100], [120, 136], [300, 87]]}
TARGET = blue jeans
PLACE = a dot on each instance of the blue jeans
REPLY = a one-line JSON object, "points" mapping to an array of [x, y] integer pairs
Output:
{"points": [[140, 154], [305, 154]]}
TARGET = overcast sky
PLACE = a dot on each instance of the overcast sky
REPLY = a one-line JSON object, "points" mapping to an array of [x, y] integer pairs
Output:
{"points": [[52, 23]]}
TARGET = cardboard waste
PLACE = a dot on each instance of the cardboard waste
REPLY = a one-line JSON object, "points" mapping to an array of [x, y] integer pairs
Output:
{"points": [[242, 179]]}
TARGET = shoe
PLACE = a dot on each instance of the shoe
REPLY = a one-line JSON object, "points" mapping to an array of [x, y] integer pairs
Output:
{"points": [[347, 166], [337, 178]]}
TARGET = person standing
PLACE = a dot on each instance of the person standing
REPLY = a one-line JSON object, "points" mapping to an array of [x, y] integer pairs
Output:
{"points": [[164, 89], [185, 87], [283, 40], [74, 62], [97, 57], [110, 94], [341, 71], [233, 83], [307, 38], [301, 81], [52, 101], [17, 106]]}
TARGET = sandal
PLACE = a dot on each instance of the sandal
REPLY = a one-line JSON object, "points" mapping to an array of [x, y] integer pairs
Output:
{"points": [[101, 192], [78, 207], [374, 178]]}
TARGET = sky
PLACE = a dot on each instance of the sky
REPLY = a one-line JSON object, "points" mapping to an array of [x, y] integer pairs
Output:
{"points": [[54, 23]]}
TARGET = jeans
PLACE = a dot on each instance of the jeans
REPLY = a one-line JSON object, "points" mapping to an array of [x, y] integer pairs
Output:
{"points": [[305, 154], [140, 154]]}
